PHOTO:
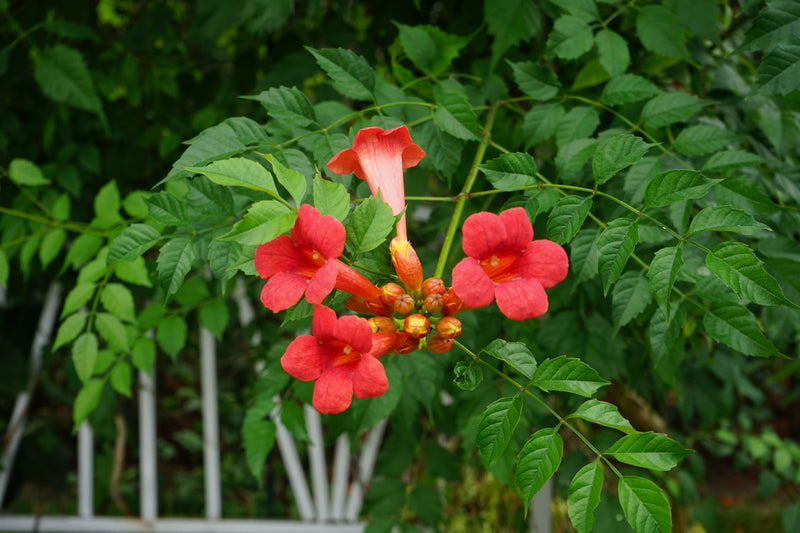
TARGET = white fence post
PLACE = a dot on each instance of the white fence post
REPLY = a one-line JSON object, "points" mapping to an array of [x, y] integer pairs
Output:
{"points": [[208, 369]]}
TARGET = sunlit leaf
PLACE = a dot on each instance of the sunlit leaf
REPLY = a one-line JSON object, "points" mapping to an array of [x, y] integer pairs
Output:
{"points": [[584, 496], [568, 374], [538, 461], [497, 426], [644, 505], [650, 450], [516, 354], [602, 413]]}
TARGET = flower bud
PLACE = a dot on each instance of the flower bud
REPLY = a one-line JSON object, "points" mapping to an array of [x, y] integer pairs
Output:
{"points": [[452, 303], [364, 307], [390, 292], [407, 345], [382, 324], [432, 286], [433, 303], [406, 264], [404, 304], [448, 327], [438, 344], [417, 325]]}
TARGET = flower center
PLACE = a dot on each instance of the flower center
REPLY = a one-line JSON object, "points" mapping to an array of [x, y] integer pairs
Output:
{"points": [[347, 355], [500, 268]]}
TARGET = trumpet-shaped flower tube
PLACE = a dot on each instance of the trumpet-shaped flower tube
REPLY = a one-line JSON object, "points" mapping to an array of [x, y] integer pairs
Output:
{"points": [[341, 358], [379, 156], [503, 263]]}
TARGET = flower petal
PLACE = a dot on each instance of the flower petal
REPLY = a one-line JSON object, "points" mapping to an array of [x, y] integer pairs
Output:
{"points": [[545, 261], [327, 236], [370, 378], [333, 391], [521, 299], [412, 155], [484, 234], [472, 284], [519, 230], [322, 283], [323, 325], [283, 290], [305, 358], [345, 162], [355, 331], [277, 255]]}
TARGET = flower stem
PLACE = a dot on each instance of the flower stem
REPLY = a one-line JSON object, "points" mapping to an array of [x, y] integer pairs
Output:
{"points": [[462, 197]]}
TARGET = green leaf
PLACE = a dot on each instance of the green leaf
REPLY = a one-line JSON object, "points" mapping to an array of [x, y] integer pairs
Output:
{"points": [[724, 218], [626, 89], [258, 439], [778, 22], [572, 157], [174, 262], [171, 335], [629, 298], [734, 325], [644, 505], [214, 317], [51, 245], [732, 159], [292, 180], [62, 76], [86, 401], [568, 374], [134, 272], [132, 242], [106, 206], [579, 123], [118, 301], [537, 81], [369, 411], [742, 192], [166, 208], [286, 104], [84, 355], [264, 221], [779, 71], [352, 75], [120, 377], [613, 51], [603, 413], [660, 31], [737, 266], [702, 139], [674, 186], [516, 354], [112, 330], [570, 37], [615, 246], [5, 269], [426, 503], [468, 375], [497, 426], [663, 272], [616, 153], [454, 113], [511, 171], [668, 108], [83, 248], [26, 173], [369, 225], [239, 172], [429, 48], [331, 198], [541, 123], [583, 255], [143, 354], [566, 218], [510, 22], [584, 496], [650, 450], [69, 329], [538, 461]]}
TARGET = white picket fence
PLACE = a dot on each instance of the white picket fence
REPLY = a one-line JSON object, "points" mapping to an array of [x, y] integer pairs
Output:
{"points": [[325, 505]]}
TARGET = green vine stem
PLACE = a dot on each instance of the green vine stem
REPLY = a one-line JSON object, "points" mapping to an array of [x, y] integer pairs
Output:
{"points": [[464, 195]]}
